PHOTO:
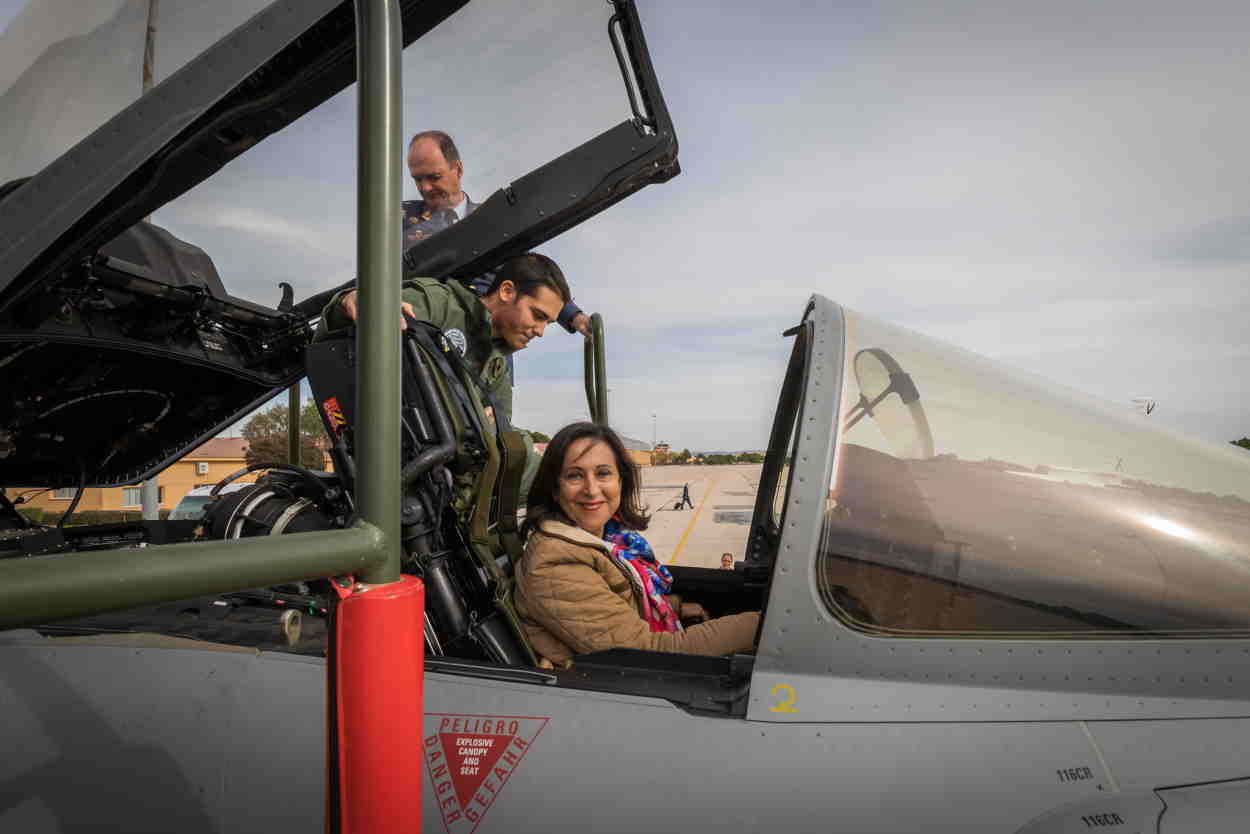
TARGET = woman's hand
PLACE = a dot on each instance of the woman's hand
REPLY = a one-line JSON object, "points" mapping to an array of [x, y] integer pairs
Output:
{"points": [[693, 611]]}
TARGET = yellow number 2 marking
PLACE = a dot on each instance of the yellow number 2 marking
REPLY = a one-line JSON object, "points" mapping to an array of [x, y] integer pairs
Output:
{"points": [[787, 705]]}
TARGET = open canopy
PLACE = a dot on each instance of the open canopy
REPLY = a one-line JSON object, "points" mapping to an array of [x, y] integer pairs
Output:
{"points": [[120, 357]]}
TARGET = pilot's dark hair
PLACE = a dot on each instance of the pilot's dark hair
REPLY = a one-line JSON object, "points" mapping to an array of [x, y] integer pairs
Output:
{"points": [[445, 144], [531, 271], [542, 501]]}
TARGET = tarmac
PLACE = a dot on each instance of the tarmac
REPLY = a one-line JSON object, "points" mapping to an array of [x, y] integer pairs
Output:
{"points": [[723, 496]]}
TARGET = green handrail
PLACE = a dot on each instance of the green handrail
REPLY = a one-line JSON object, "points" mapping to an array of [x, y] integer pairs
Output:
{"points": [[588, 370], [379, 238], [595, 371], [43, 589]]}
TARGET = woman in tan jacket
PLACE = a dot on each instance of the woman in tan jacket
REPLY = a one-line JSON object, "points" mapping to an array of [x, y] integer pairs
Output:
{"points": [[587, 581]]}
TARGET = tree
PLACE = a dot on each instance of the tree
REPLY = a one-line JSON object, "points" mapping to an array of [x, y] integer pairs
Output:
{"points": [[1243, 443], [266, 436], [539, 437]]}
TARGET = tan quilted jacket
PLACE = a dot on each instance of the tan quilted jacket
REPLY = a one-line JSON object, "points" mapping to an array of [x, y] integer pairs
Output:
{"points": [[573, 598]]}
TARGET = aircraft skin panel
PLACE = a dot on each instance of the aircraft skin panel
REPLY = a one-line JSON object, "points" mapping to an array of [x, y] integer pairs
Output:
{"points": [[794, 612], [154, 740], [1133, 813], [608, 767], [836, 673], [1206, 809], [232, 741], [850, 689], [1152, 754]]}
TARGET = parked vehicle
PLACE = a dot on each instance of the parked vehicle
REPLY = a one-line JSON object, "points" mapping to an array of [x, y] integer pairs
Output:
{"points": [[193, 504]]}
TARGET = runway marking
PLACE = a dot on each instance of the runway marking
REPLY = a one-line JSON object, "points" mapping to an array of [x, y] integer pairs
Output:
{"points": [[685, 534]]}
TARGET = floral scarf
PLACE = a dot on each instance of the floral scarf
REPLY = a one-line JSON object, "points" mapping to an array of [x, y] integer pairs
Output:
{"points": [[632, 551]]}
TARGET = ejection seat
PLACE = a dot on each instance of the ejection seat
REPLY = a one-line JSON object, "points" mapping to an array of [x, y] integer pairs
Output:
{"points": [[460, 488]]}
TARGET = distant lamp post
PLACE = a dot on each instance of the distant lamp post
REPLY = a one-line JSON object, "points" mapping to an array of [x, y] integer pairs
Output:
{"points": [[652, 431]]}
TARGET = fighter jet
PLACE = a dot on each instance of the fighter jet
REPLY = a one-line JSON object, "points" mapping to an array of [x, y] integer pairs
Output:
{"points": [[990, 603]]}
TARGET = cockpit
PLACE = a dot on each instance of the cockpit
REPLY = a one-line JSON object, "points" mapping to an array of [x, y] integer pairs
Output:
{"points": [[969, 499]]}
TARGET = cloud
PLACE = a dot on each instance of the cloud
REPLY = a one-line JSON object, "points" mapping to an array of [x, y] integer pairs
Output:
{"points": [[1058, 186], [254, 249], [278, 230], [1219, 242]]}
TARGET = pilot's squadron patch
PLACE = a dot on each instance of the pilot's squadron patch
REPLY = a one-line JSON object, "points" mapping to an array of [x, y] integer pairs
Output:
{"points": [[456, 337], [470, 758]]}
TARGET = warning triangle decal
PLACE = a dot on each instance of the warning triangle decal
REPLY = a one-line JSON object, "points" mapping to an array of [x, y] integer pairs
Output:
{"points": [[470, 758]]}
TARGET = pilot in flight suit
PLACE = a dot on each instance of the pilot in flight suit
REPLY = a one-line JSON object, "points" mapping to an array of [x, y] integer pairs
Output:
{"points": [[421, 222], [457, 311]]}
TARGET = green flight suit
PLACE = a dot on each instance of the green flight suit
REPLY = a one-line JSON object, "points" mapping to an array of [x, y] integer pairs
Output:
{"points": [[454, 309]]}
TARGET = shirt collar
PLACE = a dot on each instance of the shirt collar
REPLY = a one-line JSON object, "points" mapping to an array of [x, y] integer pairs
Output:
{"points": [[462, 209]]}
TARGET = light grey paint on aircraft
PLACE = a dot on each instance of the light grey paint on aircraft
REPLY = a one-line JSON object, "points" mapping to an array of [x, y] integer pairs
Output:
{"points": [[215, 740], [794, 610], [1136, 813], [1206, 809], [840, 674], [1153, 754], [159, 739], [610, 764]]}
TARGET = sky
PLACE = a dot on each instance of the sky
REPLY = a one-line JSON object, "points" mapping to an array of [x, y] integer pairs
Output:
{"points": [[1059, 188]]}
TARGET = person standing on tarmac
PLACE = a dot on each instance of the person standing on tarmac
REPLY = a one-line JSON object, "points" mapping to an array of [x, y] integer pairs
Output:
{"points": [[526, 295], [685, 501]]}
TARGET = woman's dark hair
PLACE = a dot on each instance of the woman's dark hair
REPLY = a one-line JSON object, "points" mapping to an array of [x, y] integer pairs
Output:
{"points": [[542, 496]]}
